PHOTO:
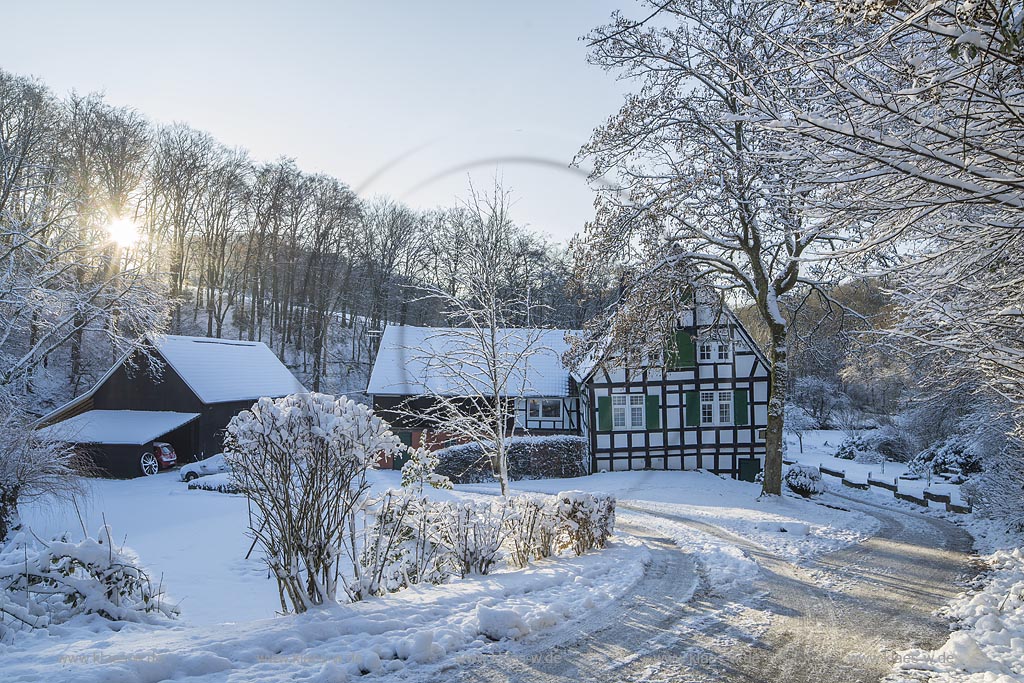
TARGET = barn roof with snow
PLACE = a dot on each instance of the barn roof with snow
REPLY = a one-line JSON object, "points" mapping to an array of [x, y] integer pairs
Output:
{"points": [[184, 392], [221, 370], [417, 361]]}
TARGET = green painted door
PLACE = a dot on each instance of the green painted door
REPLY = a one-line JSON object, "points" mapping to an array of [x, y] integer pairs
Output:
{"points": [[403, 457], [749, 468]]}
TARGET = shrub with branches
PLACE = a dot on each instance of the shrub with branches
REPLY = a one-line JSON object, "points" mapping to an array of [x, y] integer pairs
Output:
{"points": [[804, 480], [33, 466], [302, 461], [43, 583]]}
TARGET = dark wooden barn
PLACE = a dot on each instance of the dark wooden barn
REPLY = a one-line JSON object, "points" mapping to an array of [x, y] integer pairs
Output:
{"points": [[185, 397]]}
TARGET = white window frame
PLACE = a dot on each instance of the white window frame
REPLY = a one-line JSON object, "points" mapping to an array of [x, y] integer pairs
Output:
{"points": [[539, 404], [624, 412], [716, 408], [714, 351]]}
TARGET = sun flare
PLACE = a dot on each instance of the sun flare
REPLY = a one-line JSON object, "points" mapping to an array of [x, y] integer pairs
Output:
{"points": [[123, 232]]}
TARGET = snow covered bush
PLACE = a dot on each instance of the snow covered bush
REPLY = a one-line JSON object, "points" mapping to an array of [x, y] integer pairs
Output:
{"points": [[554, 456], [32, 467], [403, 545], [302, 461], [955, 455], [531, 529], [44, 583], [221, 483], [860, 448], [474, 534], [804, 480], [995, 492], [586, 520], [421, 469]]}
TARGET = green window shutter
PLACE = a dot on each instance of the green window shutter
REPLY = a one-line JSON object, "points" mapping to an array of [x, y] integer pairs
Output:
{"points": [[692, 408], [685, 354], [740, 408], [652, 405], [604, 413]]}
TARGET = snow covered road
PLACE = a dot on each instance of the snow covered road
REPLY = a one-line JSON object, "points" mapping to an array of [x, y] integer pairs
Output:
{"points": [[842, 617]]}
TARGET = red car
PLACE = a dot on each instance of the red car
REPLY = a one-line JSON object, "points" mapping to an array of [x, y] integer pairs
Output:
{"points": [[162, 457]]}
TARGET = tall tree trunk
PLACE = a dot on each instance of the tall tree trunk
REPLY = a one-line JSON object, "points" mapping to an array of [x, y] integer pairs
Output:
{"points": [[779, 358]]}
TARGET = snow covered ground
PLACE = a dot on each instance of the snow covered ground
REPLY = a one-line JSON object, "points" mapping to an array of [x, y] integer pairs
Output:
{"points": [[195, 542], [229, 628]]}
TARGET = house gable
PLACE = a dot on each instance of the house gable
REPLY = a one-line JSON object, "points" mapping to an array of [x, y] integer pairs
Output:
{"points": [[702, 410]]}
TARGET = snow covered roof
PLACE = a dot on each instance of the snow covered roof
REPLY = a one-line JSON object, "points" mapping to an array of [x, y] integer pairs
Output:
{"points": [[117, 426], [220, 370], [415, 361]]}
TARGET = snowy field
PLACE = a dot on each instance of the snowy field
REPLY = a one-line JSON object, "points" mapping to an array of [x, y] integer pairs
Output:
{"points": [[229, 628], [195, 542]]}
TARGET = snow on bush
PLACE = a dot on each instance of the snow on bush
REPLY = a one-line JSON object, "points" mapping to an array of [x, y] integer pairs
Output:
{"points": [[221, 483], [302, 461], [956, 455], [587, 519], [886, 443], [403, 545], [529, 457], [421, 470], [804, 480], [413, 539], [531, 529], [45, 583], [474, 535]]}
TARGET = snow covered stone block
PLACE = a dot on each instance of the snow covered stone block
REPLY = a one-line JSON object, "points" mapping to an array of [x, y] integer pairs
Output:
{"points": [[500, 624]]}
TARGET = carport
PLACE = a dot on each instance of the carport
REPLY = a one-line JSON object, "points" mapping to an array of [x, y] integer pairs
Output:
{"points": [[117, 439]]}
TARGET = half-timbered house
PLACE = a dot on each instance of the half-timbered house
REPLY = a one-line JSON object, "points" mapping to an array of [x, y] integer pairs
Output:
{"points": [[702, 406]]}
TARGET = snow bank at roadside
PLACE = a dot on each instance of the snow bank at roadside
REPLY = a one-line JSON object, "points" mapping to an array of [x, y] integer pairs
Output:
{"points": [[421, 624], [988, 646]]}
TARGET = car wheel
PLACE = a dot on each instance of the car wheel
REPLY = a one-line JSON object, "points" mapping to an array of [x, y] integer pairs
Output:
{"points": [[149, 464], [189, 476]]}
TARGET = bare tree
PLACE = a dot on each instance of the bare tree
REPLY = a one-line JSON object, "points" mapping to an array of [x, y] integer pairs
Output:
{"points": [[476, 368]]}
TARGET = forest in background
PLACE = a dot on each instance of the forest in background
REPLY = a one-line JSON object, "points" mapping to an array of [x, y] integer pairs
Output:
{"points": [[114, 227]]}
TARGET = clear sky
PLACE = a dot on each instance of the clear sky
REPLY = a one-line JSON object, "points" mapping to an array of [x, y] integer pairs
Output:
{"points": [[402, 98]]}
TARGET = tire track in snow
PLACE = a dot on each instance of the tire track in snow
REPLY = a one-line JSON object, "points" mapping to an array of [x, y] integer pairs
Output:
{"points": [[838, 618]]}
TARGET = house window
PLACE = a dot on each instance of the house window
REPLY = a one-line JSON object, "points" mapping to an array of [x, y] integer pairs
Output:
{"points": [[725, 407], [707, 407], [544, 408], [719, 352], [628, 411], [716, 407]]}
